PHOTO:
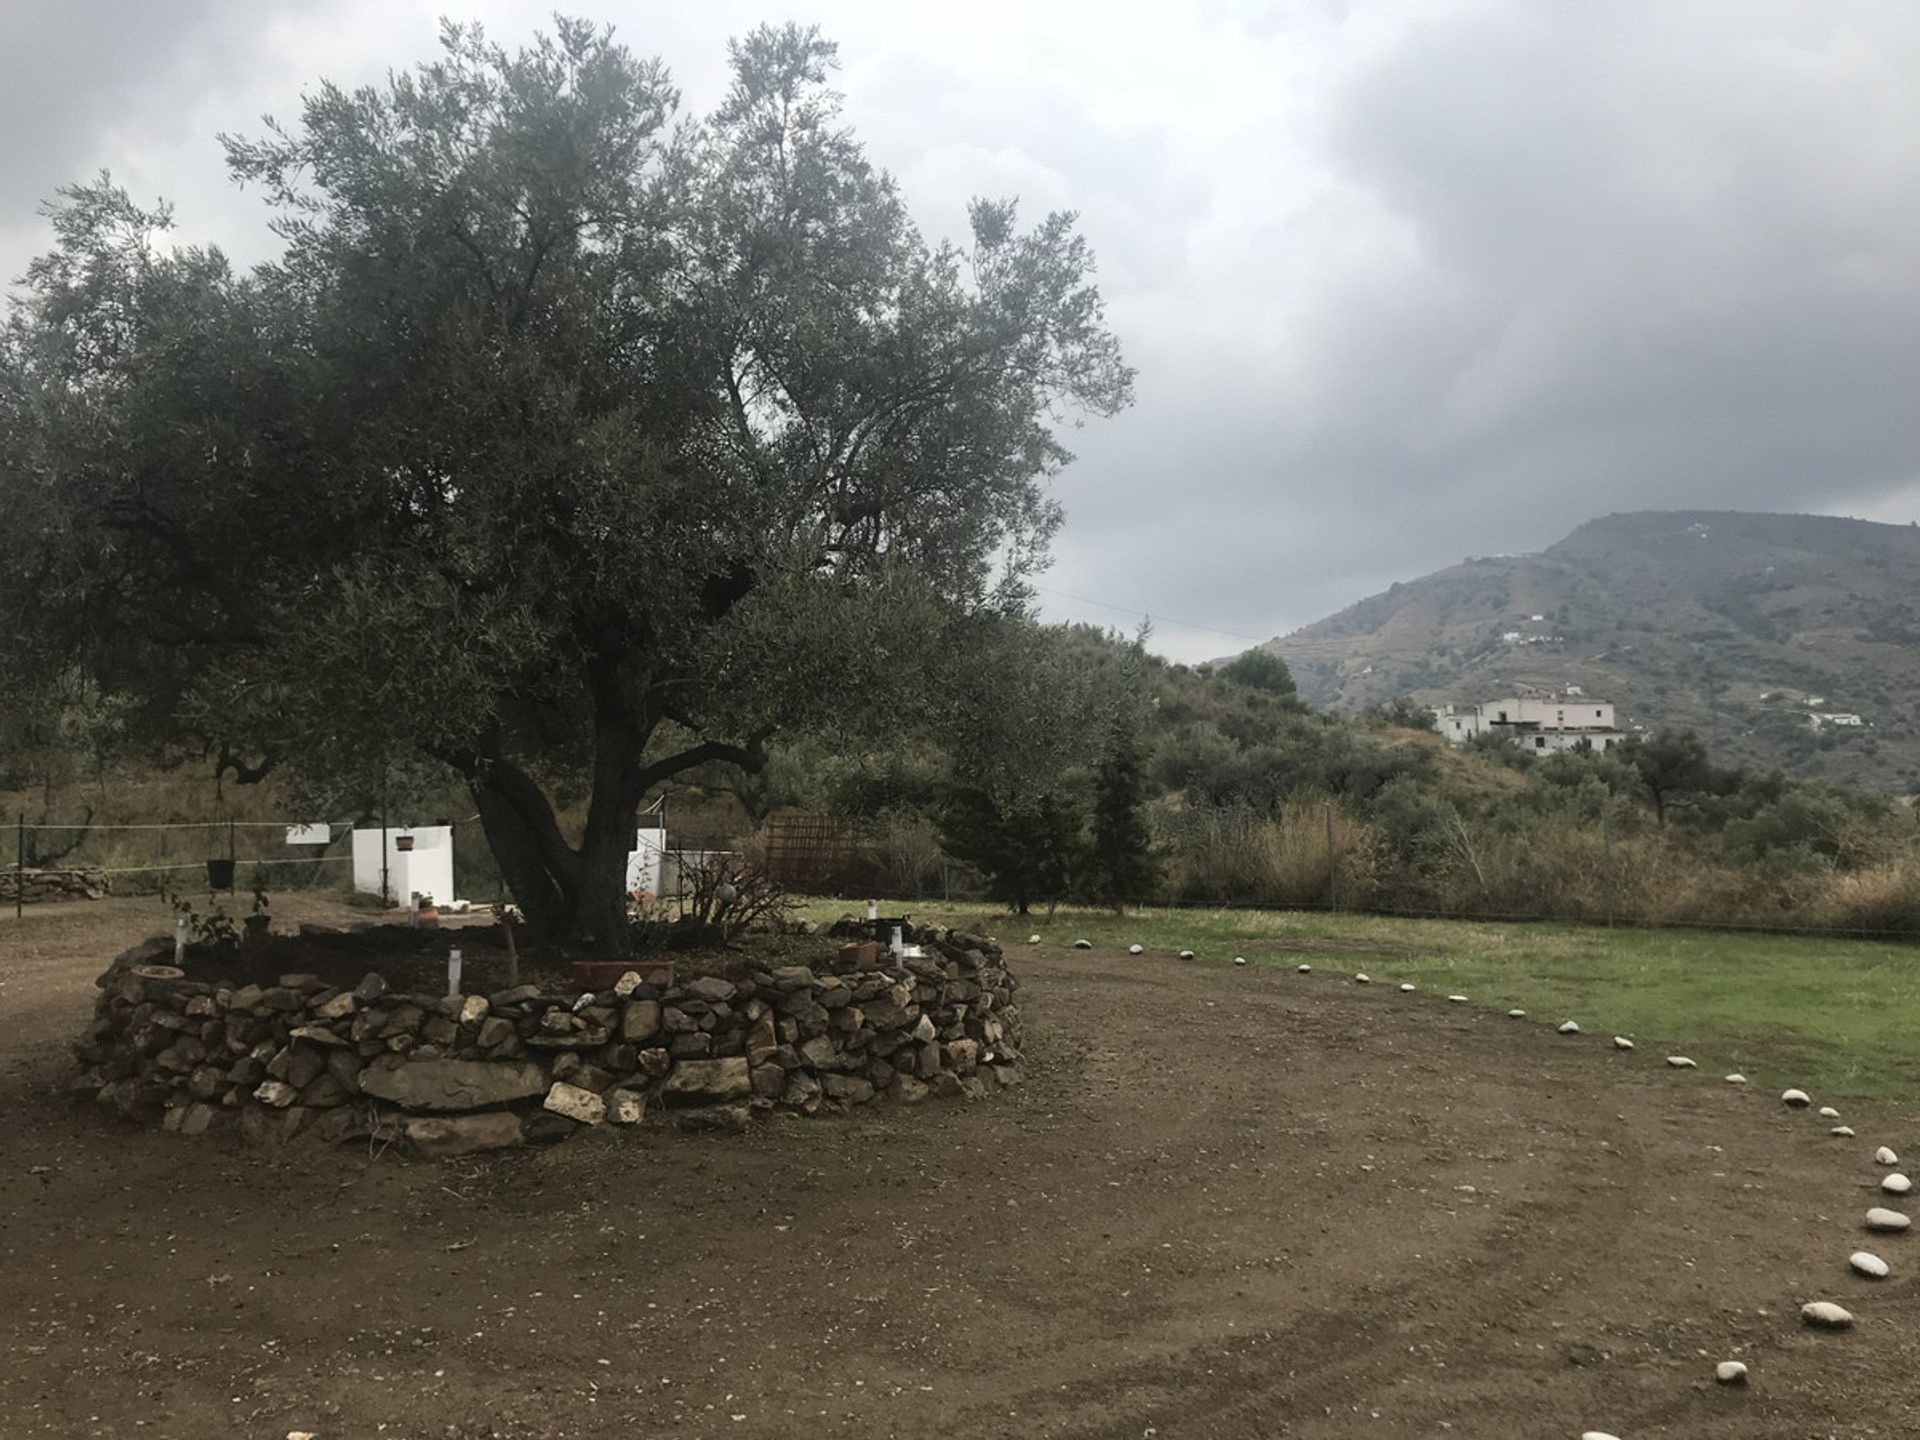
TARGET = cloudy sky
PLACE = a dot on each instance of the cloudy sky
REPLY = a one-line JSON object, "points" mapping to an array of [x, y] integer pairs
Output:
{"points": [[1405, 280]]}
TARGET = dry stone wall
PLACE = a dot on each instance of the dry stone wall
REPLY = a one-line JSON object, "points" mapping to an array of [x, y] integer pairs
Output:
{"points": [[86, 883], [448, 1075]]}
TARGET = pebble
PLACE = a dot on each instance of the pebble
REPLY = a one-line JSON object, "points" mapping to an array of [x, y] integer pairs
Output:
{"points": [[1796, 1098], [1597, 1435], [1884, 1156], [1083, 944], [1456, 999], [1827, 1112], [1730, 1372], [1896, 1184], [1186, 954], [1567, 1027], [1680, 1062], [1879, 1219], [1867, 1263], [1736, 1078], [1826, 1315], [1033, 939], [1406, 989], [1620, 1042], [1306, 969], [1516, 1014], [1239, 959], [1844, 1132], [1362, 978], [1136, 949]]}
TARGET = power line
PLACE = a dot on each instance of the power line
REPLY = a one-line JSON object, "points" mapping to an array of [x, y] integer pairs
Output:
{"points": [[1149, 615]]}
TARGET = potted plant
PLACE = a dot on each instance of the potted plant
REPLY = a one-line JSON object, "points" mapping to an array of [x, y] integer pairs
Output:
{"points": [[220, 874], [403, 842]]}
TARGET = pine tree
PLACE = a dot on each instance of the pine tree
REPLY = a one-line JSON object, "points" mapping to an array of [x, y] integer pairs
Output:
{"points": [[1122, 866]]}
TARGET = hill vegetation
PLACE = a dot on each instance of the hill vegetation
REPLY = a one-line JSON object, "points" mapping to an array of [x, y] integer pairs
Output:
{"points": [[1729, 624]]}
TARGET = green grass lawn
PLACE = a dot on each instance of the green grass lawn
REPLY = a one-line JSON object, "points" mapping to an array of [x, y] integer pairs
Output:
{"points": [[1838, 1017]]}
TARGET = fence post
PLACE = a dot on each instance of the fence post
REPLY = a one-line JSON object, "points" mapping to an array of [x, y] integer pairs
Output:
{"points": [[20, 867], [1333, 867]]}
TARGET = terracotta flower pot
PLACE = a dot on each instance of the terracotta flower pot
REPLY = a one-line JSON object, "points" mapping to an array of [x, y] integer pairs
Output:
{"points": [[403, 842]]}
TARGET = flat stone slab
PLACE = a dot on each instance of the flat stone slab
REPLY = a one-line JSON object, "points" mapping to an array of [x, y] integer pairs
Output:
{"points": [[701, 1082], [438, 1137], [453, 1084]]}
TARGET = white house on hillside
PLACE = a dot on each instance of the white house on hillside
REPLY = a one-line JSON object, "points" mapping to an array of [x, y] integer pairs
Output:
{"points": [[1559, 722]]}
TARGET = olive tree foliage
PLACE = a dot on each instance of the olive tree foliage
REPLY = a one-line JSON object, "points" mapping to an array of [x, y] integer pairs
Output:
{"points": [[570, 440]]}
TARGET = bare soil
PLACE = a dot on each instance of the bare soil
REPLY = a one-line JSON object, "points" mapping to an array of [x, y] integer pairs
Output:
{"points": [[1235, 1202]]}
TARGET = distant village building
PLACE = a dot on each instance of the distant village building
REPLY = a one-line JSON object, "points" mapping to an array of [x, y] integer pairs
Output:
{"points": [[1559, 722], [1844, 719]]}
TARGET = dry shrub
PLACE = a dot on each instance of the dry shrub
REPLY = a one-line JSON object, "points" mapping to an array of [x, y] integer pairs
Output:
{"points": [[1884, 898], [1233, 855]]}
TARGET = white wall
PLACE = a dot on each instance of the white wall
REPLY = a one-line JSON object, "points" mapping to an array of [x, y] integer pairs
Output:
{"points": [[426, 869], [643, 864]]}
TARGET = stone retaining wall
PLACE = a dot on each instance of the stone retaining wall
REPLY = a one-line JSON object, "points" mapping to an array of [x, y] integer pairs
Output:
{"points": [[86, 883], [449, 1075]]}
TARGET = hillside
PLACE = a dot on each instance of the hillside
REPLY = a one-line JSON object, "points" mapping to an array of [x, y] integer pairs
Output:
{"points": [[1726, 622]]}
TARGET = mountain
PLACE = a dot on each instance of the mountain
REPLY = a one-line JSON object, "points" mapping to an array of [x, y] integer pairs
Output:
{"points": [[1732, 624]]}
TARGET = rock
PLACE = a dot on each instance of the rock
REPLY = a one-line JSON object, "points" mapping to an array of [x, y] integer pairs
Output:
{"points": [[626, 1107], [1363, 978], [339, 1007], [371, 987], [1304, 969], [1239, 959], [1827, 1112], [1825, 1315], [1407, 989], [923, 1030], [1568, 1027], [850, 1089], [1597, 1435], [276, 1093], [627, 984], [700, 1082], [1033, 939], [1896, 1184], [1456, 999], [712, 989], [494, 1032], [1865, 1262], [452, 1084], [544, 1127], [640, 1021], [1680, 1062], [1516, 1014], [473, 1009], [1842, 1132], [438, 1137], [1136, 950], [576, 1103], [1730, 1372], [1798, 1099], [1620, 1042], [1083, 944], [315, 1034], [1884, 1156], [763, 1041], [768, 1080], [1892, 1220], [1186, 954], [1735, 1079]]}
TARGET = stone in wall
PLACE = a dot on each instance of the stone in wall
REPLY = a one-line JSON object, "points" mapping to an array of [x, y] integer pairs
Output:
{"points": [[455, 1075]]}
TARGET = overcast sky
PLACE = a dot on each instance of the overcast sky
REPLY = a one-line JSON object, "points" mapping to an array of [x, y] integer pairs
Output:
{"points": [[1404, 281]]}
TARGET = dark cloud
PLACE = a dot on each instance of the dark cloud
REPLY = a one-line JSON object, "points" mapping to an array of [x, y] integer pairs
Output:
{"points": [[1404, 282]]}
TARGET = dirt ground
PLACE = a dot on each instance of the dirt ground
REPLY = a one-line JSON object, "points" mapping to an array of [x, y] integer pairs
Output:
{"points": [[1228, 1202]]}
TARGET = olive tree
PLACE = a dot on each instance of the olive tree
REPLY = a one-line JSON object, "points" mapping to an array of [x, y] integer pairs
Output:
{"points": [[570, 441]]}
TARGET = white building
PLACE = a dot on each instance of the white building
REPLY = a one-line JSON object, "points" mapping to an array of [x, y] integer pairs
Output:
{"points": [[1559, 722]]}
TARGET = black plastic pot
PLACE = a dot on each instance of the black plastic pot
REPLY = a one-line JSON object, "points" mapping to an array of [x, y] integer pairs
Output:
{"points": [[220, 874]]}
